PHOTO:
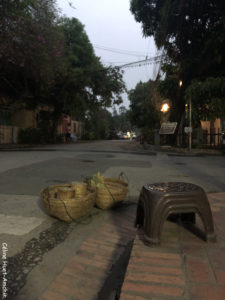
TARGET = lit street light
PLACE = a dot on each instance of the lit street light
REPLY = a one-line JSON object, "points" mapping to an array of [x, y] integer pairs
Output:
{"points": [[165, 107]]}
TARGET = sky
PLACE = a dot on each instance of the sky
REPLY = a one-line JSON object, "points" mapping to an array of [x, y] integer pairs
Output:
{"points": [[109, 24]]}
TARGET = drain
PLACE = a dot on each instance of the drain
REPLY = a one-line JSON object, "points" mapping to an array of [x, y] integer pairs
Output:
{"points": [[113, 284]]}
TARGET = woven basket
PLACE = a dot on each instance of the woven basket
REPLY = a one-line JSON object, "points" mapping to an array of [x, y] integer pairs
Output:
{"points": [[66, 209], [80, 188], [115, 191], [65, 193]]}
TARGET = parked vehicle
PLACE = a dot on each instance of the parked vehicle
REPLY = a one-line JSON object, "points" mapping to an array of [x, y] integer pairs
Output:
{"points": [[133, 135]]}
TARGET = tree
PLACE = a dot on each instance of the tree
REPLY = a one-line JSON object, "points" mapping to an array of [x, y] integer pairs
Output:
{"points": [[30, 48], [83, 84], [47, 60], [192, 34], [208, 98], [98, 124], [144, 110]]}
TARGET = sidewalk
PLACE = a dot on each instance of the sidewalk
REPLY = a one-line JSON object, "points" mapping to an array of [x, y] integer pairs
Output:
{"points": [[85, 276], [145, 148], [182, 267]]}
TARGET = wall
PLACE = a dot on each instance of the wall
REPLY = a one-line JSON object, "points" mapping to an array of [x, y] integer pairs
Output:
{"points": [[8, 134], [24, 118]]}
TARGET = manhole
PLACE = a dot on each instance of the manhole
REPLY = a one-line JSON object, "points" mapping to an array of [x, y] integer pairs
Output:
{"points": [[180, 163], [87, 161]]}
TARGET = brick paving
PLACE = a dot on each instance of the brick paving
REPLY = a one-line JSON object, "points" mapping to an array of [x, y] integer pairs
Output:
{"points": [[183, 266], [84, 275]]}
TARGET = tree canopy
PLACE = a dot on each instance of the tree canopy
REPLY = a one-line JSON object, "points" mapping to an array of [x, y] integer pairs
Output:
{"points": [[30, 47], [144, 110], [83, 82], [192, 34], [46, 59]]}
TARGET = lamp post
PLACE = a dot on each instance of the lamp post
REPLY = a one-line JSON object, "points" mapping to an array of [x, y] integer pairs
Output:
{"points": [[190, 121]]}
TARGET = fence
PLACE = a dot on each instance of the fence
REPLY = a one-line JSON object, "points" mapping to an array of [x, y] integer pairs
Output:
{"points": [[203, 139]]}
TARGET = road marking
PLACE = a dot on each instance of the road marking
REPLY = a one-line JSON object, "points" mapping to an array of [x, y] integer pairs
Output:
{"points": [[18, 225]]}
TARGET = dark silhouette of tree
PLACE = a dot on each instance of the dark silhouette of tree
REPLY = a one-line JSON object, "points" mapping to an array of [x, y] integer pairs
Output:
{"points": [[192, 34], [144, 109]]}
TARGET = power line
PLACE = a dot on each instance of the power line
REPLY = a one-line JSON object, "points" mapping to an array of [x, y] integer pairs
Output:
{"points": [[124, 52], [147, 61]]}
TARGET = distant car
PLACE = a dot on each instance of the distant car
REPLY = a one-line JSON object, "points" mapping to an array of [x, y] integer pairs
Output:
{"points": [[121, 136], [125, 136]]}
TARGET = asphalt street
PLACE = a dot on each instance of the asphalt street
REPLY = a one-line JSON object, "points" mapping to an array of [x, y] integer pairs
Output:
{"points": [[25, 172]]}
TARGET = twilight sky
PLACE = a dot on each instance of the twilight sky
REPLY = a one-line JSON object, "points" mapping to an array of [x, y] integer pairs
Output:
{"points": [[109, 24]]}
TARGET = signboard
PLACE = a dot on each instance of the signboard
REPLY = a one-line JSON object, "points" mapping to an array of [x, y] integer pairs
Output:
{"points": [[187, 129], [168, 128]]}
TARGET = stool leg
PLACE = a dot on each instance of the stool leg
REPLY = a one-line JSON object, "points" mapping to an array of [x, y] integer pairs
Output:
{"points": [[207, 219], [139, 215], [208, 224]]}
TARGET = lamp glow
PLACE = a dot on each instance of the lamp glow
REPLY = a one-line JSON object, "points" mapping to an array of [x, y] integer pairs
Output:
{"points": [[165, 107]]}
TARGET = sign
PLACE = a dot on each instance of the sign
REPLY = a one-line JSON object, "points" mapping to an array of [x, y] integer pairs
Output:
{"points": [[168, 128], [187, 129]]}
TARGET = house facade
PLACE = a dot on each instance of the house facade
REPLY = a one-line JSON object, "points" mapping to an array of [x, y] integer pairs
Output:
{"points": [[13, 118]]}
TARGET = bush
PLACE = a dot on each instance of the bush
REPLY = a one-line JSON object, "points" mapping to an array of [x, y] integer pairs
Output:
{"points": [[37, 136]]}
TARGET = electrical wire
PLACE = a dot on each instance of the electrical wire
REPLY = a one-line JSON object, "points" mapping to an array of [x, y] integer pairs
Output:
{"points": [[119, 51], [147, 61]]}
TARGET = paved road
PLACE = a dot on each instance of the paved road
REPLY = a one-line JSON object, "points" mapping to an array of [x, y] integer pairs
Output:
{"points": [[24, 173]]}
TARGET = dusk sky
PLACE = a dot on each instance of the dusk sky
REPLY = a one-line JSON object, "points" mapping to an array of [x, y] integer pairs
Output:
{"points": [[109, 24]]}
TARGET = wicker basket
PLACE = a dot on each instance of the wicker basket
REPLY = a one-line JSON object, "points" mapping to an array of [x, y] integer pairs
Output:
{"points": [[115, 191], [66, 209], [80, 188]]}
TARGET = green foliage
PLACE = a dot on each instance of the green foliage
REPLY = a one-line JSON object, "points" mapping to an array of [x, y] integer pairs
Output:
{"points": [[143, 108], [84, 82], [97, 181], [49, 60], [98, 124], [37, 136], [30, 48], [208, 98], [192, 34], [121, 121]]}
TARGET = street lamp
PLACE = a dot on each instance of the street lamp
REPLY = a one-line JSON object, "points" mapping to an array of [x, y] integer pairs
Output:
{"points": [[165, 106]]}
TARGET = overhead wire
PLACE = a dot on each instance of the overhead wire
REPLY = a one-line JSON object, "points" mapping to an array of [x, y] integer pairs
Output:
{"points": [[151, 60], [120, 51]]}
